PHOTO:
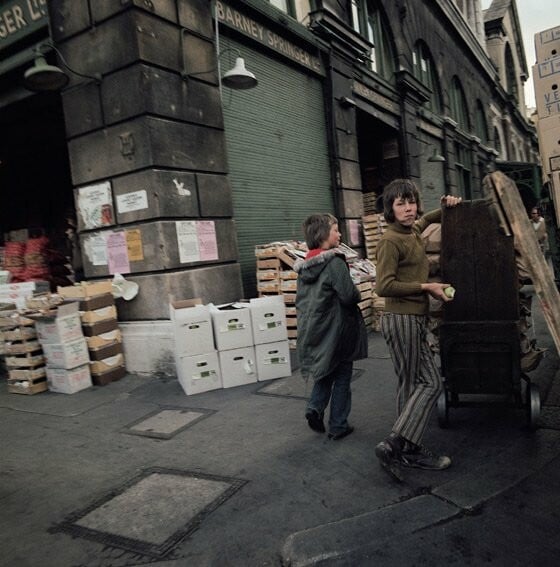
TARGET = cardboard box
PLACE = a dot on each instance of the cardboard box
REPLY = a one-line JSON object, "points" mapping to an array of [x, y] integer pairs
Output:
{"points": [[273, 360], [106, 351], [100, 328], [66, 355], [192, 327], [238, 366], [232, 325], [96, 302], [69, 381], [268, 319], [101, 366], [110, 376], [546, 79], [103, 340], [65, 326], [199, 373], [97, 315], [85, 290], [547, 44]]}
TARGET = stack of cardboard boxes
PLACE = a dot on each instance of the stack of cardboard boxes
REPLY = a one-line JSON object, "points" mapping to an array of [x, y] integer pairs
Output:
{"points": [[229, 345], [60, 334], [546, 79], [98, 316]]}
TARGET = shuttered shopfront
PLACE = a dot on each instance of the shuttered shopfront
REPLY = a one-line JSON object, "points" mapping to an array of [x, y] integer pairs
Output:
{"points": [[278, 156]]}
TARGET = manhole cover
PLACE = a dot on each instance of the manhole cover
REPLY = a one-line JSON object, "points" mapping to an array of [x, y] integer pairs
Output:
{"points": [[153, 512], [166, 423]]}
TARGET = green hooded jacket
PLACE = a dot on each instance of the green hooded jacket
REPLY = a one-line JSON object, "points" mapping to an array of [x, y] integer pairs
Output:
{"points": [[331, 328]]}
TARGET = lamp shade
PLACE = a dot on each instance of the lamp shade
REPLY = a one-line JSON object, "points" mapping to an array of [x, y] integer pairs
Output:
{"points": [[239, 77], [44, 77], [436, 157]]}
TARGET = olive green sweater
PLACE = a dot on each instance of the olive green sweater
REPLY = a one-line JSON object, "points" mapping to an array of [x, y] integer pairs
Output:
{"points": [[402, 266]]}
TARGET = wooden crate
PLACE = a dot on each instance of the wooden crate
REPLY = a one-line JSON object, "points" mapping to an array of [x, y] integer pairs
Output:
{"points": [[28, 387]]}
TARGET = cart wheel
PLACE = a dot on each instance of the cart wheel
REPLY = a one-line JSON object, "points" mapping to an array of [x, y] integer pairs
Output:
{"points": [[533, 405], [443, 410]]}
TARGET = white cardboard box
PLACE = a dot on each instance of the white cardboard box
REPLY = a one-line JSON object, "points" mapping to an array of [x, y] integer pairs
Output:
{"points": [[232, 325], [66, 355], [64, 327], [273, 360], [199, 373], [268, 318], [238, 366], [69, 381], [192, 327], [547, 44]]}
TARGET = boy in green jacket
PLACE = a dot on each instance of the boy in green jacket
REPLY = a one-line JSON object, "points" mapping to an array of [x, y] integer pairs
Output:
{"points": [[331, 330], [402, 278]]}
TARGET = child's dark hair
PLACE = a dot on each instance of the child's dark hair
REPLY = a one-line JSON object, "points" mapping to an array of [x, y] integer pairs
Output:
{"points": [[400, 189], [316, 229]]}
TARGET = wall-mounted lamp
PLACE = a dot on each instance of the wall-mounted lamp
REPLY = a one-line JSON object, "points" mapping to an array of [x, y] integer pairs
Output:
{"points": [[238, 77], [437, 157], [44, 77], [346, 102]]}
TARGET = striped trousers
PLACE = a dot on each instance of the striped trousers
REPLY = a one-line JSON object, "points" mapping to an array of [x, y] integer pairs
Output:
{"points": [[419, 380]]}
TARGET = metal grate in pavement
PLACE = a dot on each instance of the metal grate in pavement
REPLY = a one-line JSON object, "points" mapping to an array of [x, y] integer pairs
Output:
{"points": [[165, 423], [153, 512]]}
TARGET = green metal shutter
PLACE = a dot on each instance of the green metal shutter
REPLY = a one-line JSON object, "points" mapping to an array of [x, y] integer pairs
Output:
{"points": [[277, 152]]}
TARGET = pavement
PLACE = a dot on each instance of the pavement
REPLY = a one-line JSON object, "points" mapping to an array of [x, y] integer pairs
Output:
{"points": [[138, 473]]}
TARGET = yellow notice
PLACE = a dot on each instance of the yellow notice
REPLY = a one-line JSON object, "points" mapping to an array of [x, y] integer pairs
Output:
{"points": [[134, 244]]}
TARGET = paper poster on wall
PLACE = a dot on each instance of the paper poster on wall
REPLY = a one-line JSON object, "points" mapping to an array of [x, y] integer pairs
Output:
{"points": [[187, 241], [95, 205], [134, 201], [117, 253], [134, 245], [354, 227], [207, 244], [95, 249]]}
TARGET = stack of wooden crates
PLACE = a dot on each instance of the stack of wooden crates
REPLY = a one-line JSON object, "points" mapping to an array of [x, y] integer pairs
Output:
{"points": [[374, 226], [24, 360]]}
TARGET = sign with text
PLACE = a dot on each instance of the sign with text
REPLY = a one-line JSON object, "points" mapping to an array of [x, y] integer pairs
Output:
{"points": [[20, 18], [251, 28], [196, 241]]}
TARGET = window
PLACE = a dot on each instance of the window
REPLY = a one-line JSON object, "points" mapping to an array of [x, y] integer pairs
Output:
{"points": [[463, 169], [481, 125], [497, 142], [424, 70], [511, 80], [369, 21], [286, 6], [459, 110]]}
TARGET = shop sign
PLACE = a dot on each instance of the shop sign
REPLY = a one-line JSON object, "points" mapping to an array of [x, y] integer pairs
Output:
{"points": [[250, 28], [19, 18], [369, 94]]}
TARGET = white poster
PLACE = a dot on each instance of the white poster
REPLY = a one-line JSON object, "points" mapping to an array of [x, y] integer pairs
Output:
{"points": [[95, 205], [95, 248], [187, 240], [134, 201]]}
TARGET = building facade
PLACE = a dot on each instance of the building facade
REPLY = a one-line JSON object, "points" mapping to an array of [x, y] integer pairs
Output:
{"points": [[175, 178]]}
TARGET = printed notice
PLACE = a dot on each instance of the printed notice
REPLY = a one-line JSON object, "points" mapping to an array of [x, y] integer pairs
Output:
{"points": [[95, 248], [117, 253], [207, 244], [95, 205], [135, 201], [187, 241], [134, 245]]}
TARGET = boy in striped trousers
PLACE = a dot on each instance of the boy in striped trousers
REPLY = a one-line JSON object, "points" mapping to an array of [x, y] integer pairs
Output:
{"points": [[402, 278]]}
